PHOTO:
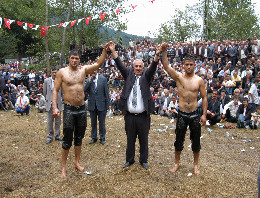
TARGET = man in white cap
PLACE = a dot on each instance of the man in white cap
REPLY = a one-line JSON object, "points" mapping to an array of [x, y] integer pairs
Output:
{"points": [[22, 104]]}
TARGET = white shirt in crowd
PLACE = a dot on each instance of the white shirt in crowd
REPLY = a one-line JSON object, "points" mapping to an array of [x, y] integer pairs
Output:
{"points": [[232, 108], [21, 101], [254, 92]]}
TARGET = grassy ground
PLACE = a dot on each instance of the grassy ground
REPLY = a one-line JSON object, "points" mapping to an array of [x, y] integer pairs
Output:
{"points": [[30, 168]]}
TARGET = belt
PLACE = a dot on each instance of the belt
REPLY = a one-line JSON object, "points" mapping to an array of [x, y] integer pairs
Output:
{"points": [[71, 107], [189, 113], [137, 114]]}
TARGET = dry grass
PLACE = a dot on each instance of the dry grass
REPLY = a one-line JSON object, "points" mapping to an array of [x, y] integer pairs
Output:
{"points": [[30, 168]]}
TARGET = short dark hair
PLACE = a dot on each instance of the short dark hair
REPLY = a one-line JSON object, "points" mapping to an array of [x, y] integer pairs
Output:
{"points": [[53, 68], [256, 80], [245, 99], [236, 97], [258, 107], [189, 57], [74, 52]]}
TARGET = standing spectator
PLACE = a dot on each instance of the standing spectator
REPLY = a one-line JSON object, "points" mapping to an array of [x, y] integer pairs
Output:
{"points": [[48, 87], [98, 103], [22, 104], [2, 85]]}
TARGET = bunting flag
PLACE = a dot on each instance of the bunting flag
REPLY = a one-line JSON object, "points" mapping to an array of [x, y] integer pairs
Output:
{"points": [[7, 23], [79, 20], [117, 11], [19, 23], [61, 24], [87, 20], [72, 23], [30, 25], [25, 26], [102, 16], [65, 24], [36, 27], [43, 33]]}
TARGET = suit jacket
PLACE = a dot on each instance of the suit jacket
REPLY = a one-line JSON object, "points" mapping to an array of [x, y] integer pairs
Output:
{"points": [[144, 81], [214, 108], [249, 110], [47, 93], [161, 102], [98, 96]]}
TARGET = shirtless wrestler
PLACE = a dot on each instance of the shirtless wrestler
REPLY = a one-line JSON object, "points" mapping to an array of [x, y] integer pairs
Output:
{"points": [[71, 79], [189, 85]]}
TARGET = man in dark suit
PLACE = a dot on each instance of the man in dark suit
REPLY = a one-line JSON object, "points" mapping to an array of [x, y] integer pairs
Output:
{"points": [[213, 112], [244, 114], [98, 102], [136, 103]]}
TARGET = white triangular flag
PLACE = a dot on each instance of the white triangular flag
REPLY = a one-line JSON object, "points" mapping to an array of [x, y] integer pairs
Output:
{"points": [[79, 20], [11, 21], [36, 27], [25, 26], [0, 22], [65, 24]]}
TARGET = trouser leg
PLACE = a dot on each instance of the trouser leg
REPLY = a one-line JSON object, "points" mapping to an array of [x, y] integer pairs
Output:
{"points": [[93, 117], [131, 133], [50, 120], [102, 126]]}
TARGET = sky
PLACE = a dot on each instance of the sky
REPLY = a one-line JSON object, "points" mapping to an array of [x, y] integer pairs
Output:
{"points": [[148, 16]]}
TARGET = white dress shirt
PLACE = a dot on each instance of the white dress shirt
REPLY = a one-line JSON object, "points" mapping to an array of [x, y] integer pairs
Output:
{"points": [[140, 102]]}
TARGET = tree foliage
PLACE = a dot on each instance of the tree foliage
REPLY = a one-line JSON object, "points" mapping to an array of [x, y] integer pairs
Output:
{"points": [[182, 26], [228, 19]]}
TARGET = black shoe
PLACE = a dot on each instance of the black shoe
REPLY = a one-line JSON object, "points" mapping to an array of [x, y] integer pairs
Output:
{"points": [[58, 139], [21, 114], [145, 165], [48, 141], [102, 142], [255, 126], [92, 141], [127, 164], [239, 124]]}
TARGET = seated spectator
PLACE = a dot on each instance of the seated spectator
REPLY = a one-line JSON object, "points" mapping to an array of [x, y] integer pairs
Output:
{"points": [[253, 93], [236, 79], [213, 112], [6, 100], [40, 104], [164, 103], [230, 110], [157, 103], [1, 104], [237, 93], [173, 107], [33, 98], [228, 85], [255, 119], [115, 94], [22, 104], [244, 114], [115, 108]]}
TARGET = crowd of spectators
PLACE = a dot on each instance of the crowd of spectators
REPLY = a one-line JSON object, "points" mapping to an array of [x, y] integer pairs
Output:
{"points": [[230, 69]]}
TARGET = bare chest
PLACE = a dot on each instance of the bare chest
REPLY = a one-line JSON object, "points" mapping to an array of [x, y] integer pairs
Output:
{"points": [[188, 86], [71, 78]]}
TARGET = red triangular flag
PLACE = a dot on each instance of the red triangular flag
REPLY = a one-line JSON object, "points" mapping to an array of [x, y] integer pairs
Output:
{"points": [[7, 23], [134, 6], [117, 11], [30, 25], [87, 20], [43, 33], [102, 16], [60, 25], [19, 23], [72, 23], [153, 1], [47, 28]]}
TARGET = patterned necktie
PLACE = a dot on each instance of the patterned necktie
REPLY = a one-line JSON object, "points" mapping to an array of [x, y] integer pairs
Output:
{"points": [[134, 100]]}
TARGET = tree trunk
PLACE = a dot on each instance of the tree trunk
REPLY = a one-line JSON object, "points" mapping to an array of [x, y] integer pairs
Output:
{"points": [[46, 41], [64, 35]]}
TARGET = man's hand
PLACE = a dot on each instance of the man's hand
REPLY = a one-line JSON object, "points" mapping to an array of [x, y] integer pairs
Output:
{"points": [[109, 107], [56, 113], [203, 120]]}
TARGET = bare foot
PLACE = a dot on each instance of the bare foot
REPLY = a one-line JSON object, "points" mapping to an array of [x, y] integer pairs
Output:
{"points": [[63, 172], [196, 170], [78, 167], [175, 168]]}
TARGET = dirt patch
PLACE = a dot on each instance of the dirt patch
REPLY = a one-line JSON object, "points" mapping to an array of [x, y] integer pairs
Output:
{"points": [[30, 168]]}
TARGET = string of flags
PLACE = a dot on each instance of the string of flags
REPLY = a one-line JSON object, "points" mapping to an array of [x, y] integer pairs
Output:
{"points": [[26, 25]]}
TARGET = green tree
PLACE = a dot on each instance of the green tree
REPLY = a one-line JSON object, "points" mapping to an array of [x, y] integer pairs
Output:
{"points": [[181, 27]]}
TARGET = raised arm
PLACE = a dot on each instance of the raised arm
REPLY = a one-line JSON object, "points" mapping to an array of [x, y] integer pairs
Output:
{"points": [[203, 95], [56, 88], [172, 72], [89, 69]]}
